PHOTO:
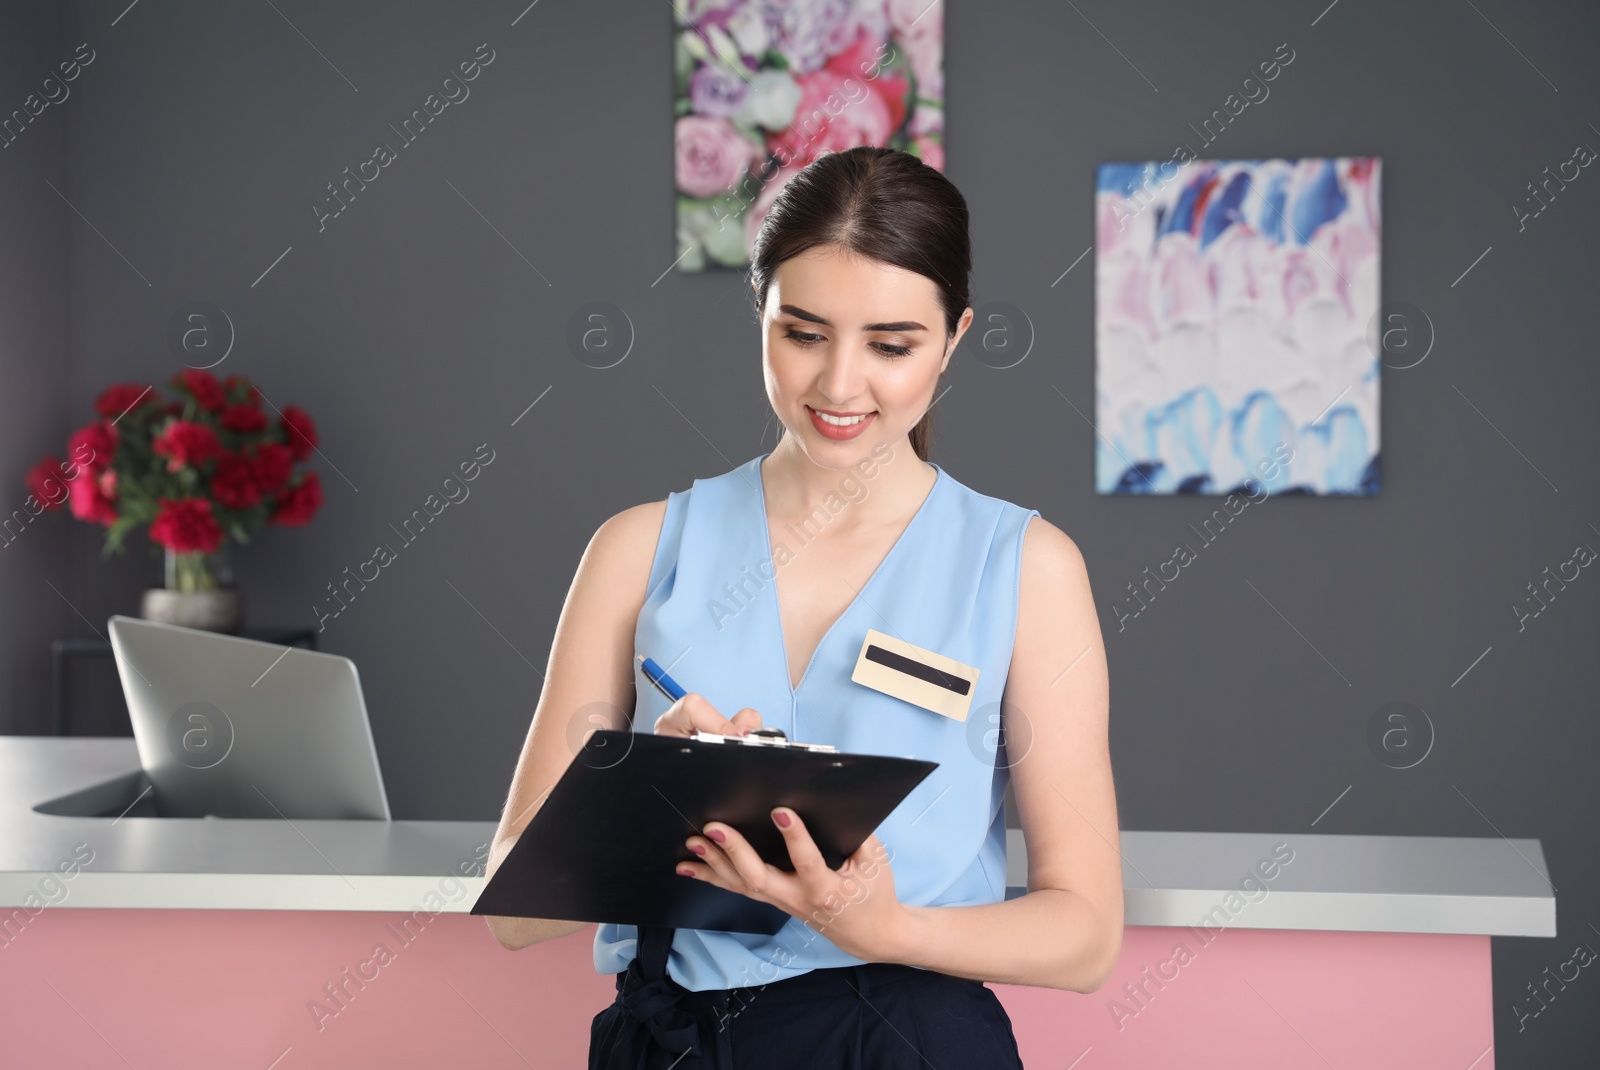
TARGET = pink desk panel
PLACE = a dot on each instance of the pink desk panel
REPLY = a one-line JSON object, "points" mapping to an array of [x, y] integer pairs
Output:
{"points": [[102, 989]]}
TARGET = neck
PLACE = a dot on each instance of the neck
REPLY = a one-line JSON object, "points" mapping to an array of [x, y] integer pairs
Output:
{"points": [[873, 492]]}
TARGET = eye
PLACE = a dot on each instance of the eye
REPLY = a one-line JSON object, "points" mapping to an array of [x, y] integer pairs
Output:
{"points": [[804, 338]]}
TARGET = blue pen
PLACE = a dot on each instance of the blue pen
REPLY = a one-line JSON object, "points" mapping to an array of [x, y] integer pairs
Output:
{"points": [[658, 676], [669, 687]]}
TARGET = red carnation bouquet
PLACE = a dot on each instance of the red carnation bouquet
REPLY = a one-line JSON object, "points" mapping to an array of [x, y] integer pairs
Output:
{"points": [[209, 465]]}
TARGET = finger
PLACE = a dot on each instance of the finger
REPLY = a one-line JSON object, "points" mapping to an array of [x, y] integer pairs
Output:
{"points": [[679, 718], [803, 850], [704, 717], [702, 871], [713, 865], [748, 866], [746, 720], [691, 713], [666, 724]]}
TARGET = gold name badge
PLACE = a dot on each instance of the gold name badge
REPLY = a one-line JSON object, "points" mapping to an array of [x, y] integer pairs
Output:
{"points": [[920, 677]]}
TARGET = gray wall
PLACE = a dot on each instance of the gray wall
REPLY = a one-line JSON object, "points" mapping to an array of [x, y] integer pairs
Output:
{"points": [[418, 326], [34, 409]]}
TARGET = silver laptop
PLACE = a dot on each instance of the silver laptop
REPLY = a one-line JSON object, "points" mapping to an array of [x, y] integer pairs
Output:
{"points": [[233, 727]]}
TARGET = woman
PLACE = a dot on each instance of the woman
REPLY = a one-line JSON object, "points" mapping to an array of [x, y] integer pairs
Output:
{"points": [[759, 587]]}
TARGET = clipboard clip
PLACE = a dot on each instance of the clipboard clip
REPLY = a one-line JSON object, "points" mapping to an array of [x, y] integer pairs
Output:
{"points": [[764, 737]]}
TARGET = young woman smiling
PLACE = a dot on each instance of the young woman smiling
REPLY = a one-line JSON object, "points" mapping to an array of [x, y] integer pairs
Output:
{"points": [[860, 280]]}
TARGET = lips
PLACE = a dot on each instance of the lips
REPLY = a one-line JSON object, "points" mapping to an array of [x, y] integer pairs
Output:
{"points": [[839, 432]]}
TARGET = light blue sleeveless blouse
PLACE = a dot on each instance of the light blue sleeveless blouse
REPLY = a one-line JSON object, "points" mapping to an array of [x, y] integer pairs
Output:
{"points": [[950, 585]]}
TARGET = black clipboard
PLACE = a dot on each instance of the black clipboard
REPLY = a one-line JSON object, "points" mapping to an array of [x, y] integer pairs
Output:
{"points": [[605, 844]]}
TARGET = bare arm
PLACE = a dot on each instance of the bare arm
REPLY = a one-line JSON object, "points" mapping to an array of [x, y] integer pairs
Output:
{"points": [[589, 684], [1066, 932]]}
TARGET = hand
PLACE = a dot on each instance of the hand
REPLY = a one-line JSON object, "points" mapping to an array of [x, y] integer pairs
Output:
{"points": [[854, 906], [692, 712]]}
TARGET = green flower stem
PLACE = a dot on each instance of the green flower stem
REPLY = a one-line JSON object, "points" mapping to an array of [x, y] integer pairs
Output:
{"points": [[191, 572]]}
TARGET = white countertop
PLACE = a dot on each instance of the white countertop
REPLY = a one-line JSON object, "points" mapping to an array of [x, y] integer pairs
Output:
{"points": [[1424, 884]]}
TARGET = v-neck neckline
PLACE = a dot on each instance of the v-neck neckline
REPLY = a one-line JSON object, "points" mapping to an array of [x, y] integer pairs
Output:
{"points": [[777, 608]]}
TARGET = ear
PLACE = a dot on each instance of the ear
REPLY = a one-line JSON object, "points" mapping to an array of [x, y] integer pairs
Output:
{"points": [[961, 328]]}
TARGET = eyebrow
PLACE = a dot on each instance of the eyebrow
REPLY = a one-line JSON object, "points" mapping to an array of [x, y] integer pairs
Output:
{"points": [[812, 317]]}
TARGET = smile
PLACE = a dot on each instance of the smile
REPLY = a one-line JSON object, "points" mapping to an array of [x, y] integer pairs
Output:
{"points": [[840, 427]]}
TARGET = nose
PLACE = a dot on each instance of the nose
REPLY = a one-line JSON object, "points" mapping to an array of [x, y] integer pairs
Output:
{"points": [[842, 378]]}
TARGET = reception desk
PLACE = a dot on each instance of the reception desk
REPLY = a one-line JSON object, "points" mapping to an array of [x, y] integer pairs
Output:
{"points": [[176, 943]]}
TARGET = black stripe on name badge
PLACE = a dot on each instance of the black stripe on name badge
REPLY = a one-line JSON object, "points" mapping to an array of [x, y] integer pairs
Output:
{"points": [[901, 663]]}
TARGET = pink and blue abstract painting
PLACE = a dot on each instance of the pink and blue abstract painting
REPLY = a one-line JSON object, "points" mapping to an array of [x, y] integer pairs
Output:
{"points": [[1236, 326]]}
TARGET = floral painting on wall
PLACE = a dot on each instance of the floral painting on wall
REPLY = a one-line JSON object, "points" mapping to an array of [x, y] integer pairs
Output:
{"points": [[763, 87], [1236, 326]]}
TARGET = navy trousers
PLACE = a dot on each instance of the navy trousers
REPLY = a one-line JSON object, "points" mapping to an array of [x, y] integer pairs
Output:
{"points": [[877, 1016]]}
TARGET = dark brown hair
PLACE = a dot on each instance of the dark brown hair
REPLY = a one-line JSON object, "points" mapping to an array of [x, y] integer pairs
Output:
{"points": [[882, 204]]}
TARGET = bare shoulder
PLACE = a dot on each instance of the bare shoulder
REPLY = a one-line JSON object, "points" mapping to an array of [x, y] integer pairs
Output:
{"points": [[635, 527], [622, 549], [1050, 556]]}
